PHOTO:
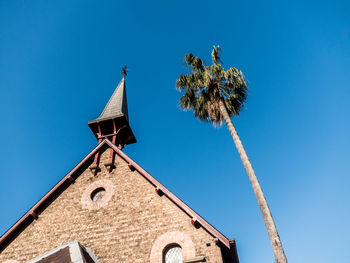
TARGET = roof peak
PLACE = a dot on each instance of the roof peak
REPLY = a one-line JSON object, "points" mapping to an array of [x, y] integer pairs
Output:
{"points": [[117, 105], [42, 204], [113, 123]]}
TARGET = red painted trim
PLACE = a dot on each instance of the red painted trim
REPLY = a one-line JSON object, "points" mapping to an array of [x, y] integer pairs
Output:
{"points": [[224, 240], [194, 221], [42, 201], [208, 227], [99, 129], [97, 155], [111, 134], [114, 126], [96, 158], [71, 178], [99, 136], [111, 153], [114, 138], [34, 215]]}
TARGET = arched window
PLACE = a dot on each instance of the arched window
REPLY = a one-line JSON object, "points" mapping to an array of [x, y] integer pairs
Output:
{"points": [[172, 254]]}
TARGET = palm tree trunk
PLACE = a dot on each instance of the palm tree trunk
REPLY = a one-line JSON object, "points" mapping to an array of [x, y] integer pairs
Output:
{"points": [[276, 244]]}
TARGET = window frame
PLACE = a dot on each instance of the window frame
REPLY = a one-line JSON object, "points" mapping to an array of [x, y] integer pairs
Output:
{"points": [[167, 248]]}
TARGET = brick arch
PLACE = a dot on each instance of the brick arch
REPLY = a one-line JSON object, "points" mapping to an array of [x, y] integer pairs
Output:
{"points": [[175, 237]]}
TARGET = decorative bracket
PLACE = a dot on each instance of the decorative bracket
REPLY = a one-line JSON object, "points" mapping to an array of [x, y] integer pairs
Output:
{"points": [[159, 191], [216, 240], [110, 165], [94, 169], [195, 222], [34, 215], [71, 179], [131, 167]]}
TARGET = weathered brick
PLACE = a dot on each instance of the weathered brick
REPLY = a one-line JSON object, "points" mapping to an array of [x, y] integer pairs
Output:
{"points": [[134, 226]]}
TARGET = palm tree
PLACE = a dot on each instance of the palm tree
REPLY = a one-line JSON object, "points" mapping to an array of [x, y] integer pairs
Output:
{"points": [[215, 94]]}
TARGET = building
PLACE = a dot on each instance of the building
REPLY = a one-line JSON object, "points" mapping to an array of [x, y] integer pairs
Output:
{"points": [[109, 209]]}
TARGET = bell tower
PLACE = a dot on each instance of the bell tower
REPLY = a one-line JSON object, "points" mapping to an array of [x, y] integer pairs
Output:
{"points": [[113, 123]]}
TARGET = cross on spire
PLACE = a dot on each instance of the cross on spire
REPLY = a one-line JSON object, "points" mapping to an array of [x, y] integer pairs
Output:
{"points": [[124, 71], [113, 123]]}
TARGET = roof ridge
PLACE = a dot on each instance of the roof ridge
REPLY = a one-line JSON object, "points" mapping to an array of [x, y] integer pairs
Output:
{"points": [[186, 208], [32, 212]]}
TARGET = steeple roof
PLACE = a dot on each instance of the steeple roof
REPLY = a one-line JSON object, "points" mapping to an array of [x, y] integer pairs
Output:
{"points": [[117, 105], [113, 123]]}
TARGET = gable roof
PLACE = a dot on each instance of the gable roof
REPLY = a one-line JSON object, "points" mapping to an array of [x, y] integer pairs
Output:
{"points": [[64, 183]]}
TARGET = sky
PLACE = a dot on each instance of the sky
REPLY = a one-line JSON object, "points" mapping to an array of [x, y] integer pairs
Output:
{"points": [[60, 61]]}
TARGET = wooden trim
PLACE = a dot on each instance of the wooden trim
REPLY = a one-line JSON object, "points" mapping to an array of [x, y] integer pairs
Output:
{"points": [[41, 202], [184, 207], [132, 165], [70, 178], [34, 215]]}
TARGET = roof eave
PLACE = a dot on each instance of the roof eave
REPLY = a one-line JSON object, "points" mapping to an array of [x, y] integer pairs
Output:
{"points": [[98, 120], [69, 177]]}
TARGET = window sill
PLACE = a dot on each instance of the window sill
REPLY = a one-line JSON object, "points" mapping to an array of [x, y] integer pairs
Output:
{"points": [[196, 259]]}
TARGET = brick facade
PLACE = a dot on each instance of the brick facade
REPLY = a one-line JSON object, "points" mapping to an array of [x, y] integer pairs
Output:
{"points": [[134, 224]]}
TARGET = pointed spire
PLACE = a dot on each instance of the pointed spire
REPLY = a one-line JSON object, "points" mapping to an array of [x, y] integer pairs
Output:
{"points": [[117, 105], [113, 123]]}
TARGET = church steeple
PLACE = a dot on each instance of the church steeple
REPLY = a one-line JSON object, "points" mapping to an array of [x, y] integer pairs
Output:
{"points": [[113, 123]]}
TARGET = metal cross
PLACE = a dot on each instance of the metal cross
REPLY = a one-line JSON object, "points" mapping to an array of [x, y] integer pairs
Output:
{"points": [[125, 71]]}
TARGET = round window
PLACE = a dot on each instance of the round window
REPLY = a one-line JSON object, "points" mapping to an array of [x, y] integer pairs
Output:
{"points": [[97, 194]]}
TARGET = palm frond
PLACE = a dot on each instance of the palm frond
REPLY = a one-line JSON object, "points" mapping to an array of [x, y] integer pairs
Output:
{"points": [[201, 108], [215, 54], [188, 100], [217, 72], [206, 86], [194, 63], [182, 82]]}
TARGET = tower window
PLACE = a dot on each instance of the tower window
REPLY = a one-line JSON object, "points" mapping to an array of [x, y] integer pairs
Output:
{"points": [[172, 254], [97, 194]]}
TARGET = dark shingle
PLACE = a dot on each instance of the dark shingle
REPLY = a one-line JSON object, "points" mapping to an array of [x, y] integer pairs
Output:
{"points": [[117, 105]]}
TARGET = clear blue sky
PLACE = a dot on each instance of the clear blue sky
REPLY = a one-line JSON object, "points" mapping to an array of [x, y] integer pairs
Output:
{"points": [[61, 60]]}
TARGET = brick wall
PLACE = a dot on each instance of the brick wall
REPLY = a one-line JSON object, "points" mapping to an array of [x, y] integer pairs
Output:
{"points": [[125, 229]]}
